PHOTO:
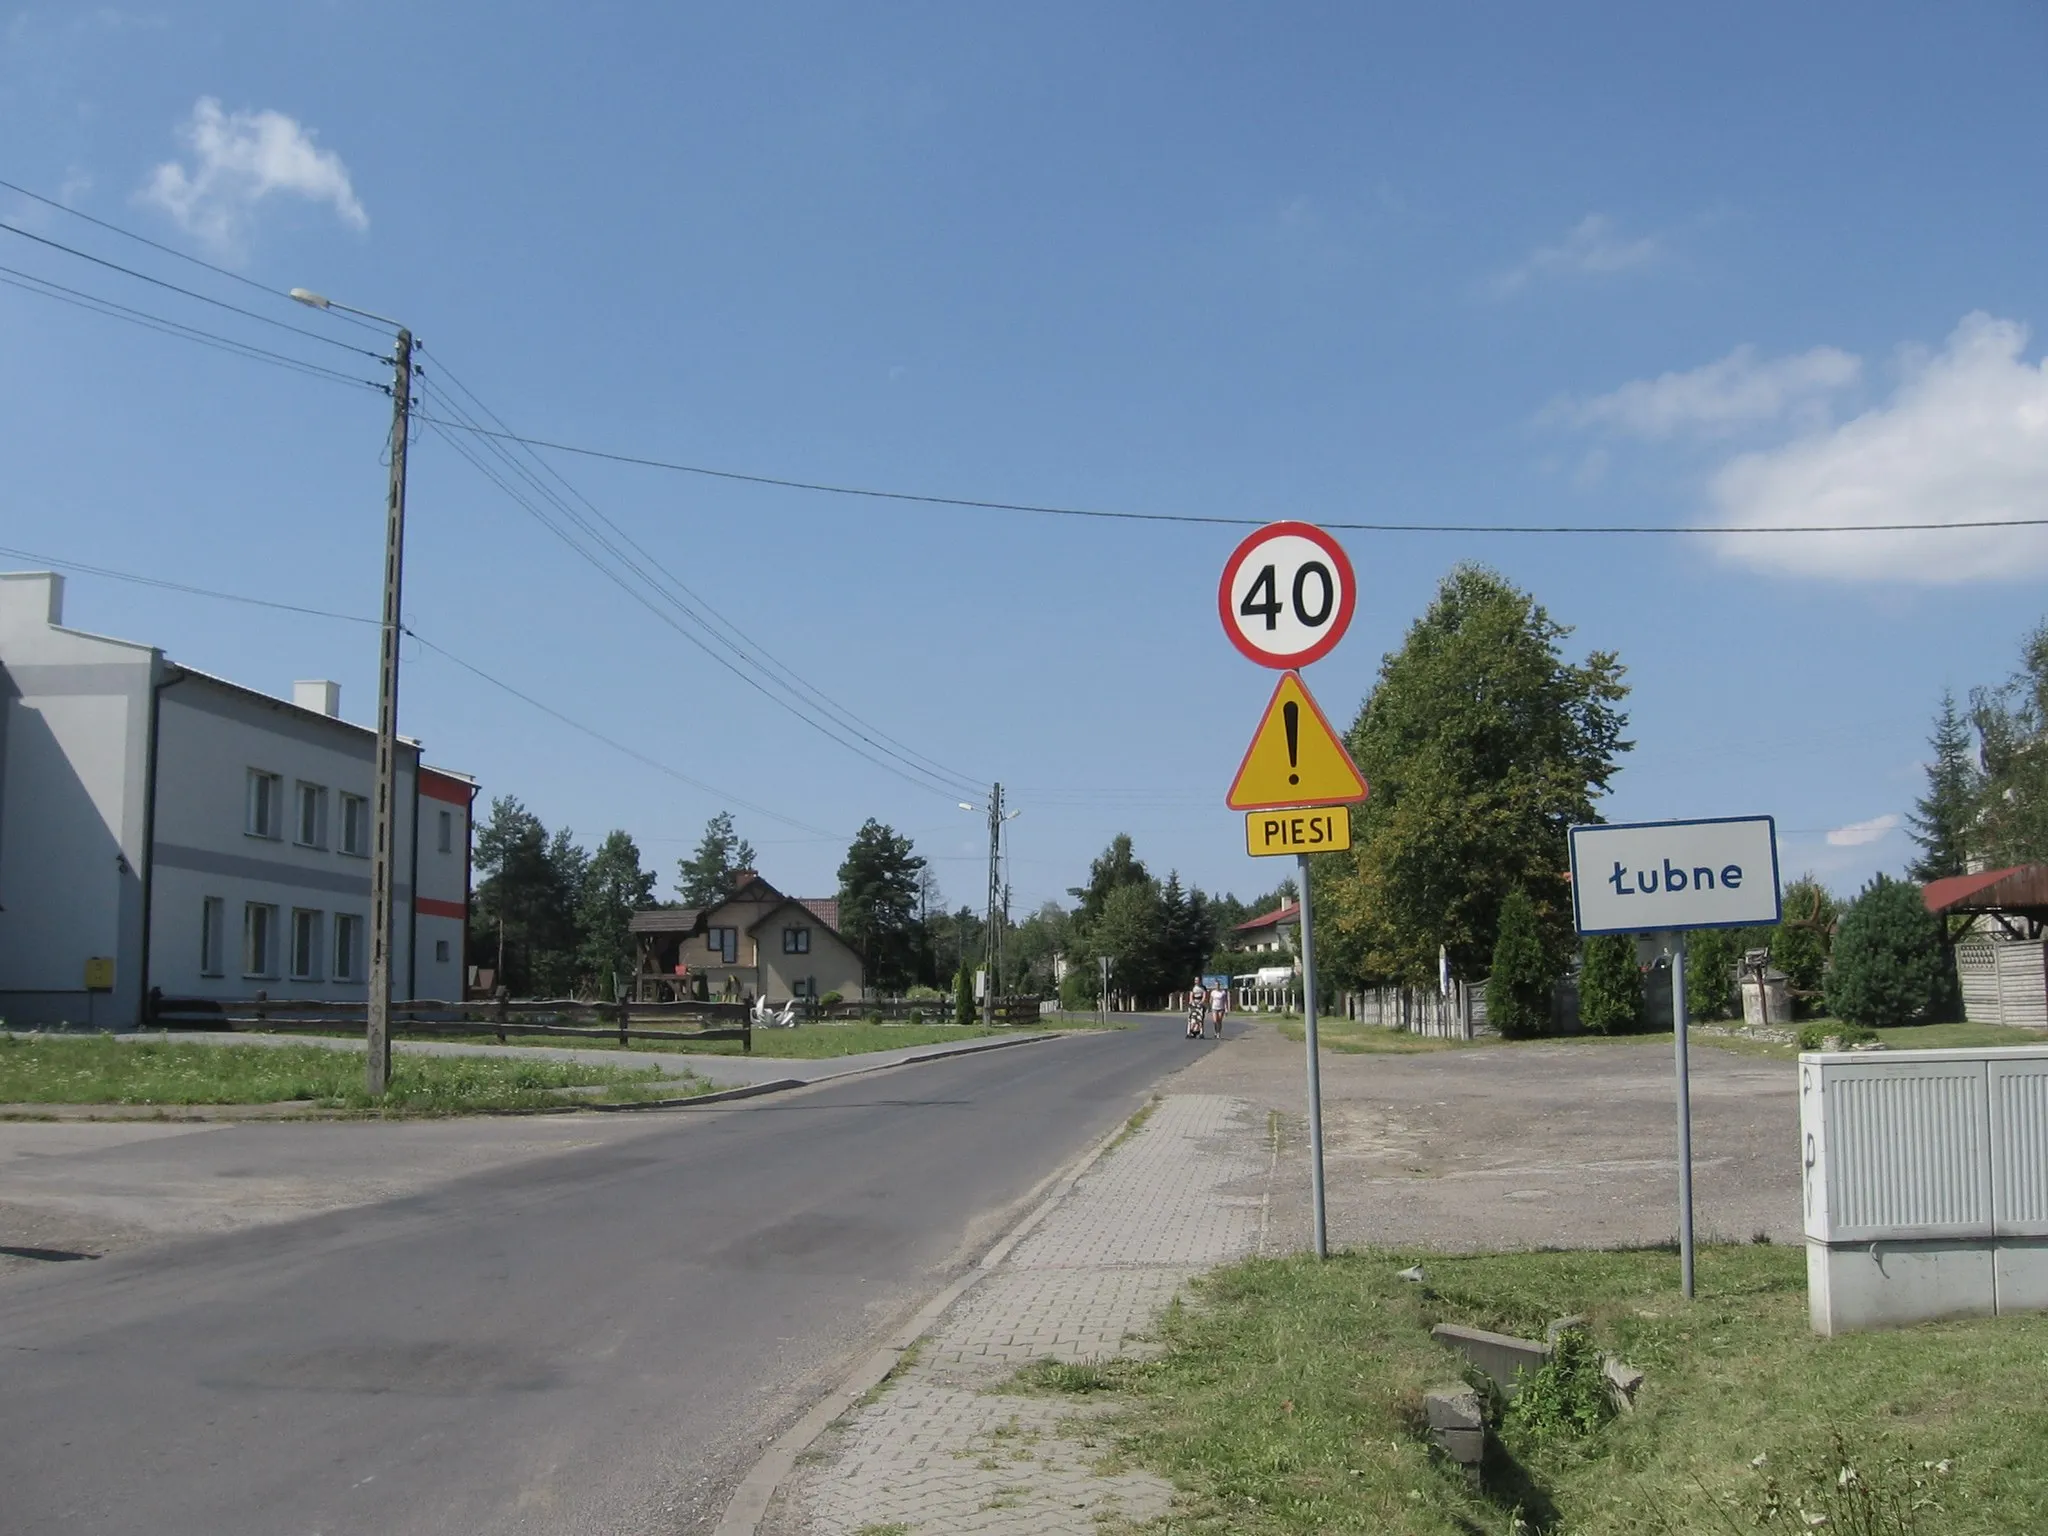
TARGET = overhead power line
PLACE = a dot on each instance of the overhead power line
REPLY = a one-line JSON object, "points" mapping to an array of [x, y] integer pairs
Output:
{"points": [[190, 293], [874, 493], [162, 584], [77, 298]]}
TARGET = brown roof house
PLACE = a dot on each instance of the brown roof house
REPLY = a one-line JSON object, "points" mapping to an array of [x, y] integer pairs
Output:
{"points": [[757, 943]]}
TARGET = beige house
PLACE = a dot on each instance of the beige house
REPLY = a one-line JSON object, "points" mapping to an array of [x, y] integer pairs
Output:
{"points": [[757, 943]]}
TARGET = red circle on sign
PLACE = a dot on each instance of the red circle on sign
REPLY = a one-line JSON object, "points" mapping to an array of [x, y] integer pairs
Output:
{"points": [[1345, 599]]}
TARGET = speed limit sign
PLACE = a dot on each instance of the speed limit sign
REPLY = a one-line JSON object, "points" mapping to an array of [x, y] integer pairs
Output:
{"points": [[1287, 595]]}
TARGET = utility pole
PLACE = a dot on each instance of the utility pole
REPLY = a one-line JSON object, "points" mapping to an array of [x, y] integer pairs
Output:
{"points": [[384, 848], [992, 941]]}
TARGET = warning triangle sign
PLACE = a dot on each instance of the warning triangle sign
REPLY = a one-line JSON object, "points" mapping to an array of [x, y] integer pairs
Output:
{"points": [[1295, 758]]}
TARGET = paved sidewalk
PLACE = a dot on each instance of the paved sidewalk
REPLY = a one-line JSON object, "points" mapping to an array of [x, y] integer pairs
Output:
{"points": [[725, 1071], [944, 1448]]}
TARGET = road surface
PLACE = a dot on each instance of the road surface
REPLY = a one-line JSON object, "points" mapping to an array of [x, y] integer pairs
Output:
{"points": [[596, 1341]]}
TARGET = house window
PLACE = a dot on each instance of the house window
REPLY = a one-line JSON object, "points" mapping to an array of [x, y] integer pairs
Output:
{"points": [[725, 943], [266, 813], [311, 831], [441, 951], [305, 945], [259, 940], [348, 947], [796, 941], [355, 824], [447, 832], [213, 922]]}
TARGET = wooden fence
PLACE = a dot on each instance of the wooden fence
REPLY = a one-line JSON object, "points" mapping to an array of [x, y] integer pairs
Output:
{"points": [[567, 1017]]}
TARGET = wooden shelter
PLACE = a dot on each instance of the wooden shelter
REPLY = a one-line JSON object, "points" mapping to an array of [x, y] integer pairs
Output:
{"points": [[2001, 959]]}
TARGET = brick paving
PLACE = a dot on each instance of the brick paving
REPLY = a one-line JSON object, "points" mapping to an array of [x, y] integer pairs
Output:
{"points": [[943, 1448]]}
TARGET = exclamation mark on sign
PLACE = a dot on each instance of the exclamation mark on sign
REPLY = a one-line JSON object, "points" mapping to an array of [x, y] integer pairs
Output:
{"points": [[1290, 716]]}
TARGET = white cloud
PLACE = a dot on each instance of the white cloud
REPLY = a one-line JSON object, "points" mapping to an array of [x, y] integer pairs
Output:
{"points": [[1592, 248], [1737, 391], [239, 159], [1964, 438], [1858, 833]]}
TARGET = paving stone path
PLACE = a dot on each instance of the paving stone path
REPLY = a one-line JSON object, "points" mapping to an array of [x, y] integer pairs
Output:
{"points": [[944, 1448]]}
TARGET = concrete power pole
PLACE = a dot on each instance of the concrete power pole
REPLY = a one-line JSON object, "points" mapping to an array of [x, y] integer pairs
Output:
{"points": [[992, 941], [384, 848]]}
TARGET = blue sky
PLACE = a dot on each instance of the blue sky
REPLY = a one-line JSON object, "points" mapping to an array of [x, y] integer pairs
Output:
{"points": [[1569, 264]]}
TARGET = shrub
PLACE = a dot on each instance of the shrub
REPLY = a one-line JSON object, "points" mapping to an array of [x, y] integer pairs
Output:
{"points": [[1567, 1397], [830, 1000], [1518, 991], [1610, 985], [1888, 965], [924, 994], [1800, 944], [1711, 958]]}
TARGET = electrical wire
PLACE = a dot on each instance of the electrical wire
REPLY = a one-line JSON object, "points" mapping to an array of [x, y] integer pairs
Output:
{"points": [[170, 250], [136, 579], [42, 287], [909, 772], [723, 631], [975, 504], [296, 330]]}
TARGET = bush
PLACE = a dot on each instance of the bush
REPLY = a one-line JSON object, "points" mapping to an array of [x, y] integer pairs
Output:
{"points": [[1567, 1397], [1610, 985], [1889, 965], [1518, 991], [1801, 943], [924, 994], [1712, 956], [830, 1000]]}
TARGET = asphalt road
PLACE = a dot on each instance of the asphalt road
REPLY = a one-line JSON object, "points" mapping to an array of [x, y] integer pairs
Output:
{"points": [[599, 1341]]}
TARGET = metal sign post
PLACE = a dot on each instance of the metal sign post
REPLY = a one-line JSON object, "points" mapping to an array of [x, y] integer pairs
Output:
{"points": [[1315, 1077], [1678, 1022], [1286, 598], [1670, 877]]}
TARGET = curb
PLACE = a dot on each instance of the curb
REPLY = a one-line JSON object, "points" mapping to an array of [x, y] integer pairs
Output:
{"points": [[749, 1502]]}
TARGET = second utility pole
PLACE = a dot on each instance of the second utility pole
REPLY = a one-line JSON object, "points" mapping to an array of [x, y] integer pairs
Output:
{"points": [[991, 942], [377, 1027]]}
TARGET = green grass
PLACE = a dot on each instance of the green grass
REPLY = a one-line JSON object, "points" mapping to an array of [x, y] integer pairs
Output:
{"points": [[1289, 1399], [1350, 1038], [807, 1042], [1905, 1037], [101, 1070]]}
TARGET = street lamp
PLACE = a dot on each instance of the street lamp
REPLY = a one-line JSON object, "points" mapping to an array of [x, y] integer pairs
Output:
{"points": [[377, 1013]]}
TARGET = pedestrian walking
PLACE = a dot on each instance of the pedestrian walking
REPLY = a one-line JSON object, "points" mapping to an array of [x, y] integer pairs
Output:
{"points": [[1198, 1008], [1219, 1004]]}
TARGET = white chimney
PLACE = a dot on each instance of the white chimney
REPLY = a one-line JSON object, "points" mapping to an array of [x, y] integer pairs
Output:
{"points": [[318, 695]]}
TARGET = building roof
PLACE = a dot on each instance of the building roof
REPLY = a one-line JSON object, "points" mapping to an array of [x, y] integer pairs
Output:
{"points": [[665, 920], [1287, 914], [824, 908], [2018, 888]]}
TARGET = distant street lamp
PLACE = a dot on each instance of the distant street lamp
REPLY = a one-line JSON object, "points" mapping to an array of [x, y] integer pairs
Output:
{"points": [[377, 1013]]}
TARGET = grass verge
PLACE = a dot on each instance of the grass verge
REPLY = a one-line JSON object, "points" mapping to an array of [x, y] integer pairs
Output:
{"points": [[1289, 1399], [807, 1042], [52, 1069], [1904, 1037]]}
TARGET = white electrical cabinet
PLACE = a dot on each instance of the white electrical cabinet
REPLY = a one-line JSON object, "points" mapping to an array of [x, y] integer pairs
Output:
{"points": [[1925, 1180]]}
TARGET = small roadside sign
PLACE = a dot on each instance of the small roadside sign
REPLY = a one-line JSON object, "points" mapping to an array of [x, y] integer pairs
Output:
{"points": [[1271, 832], [1287, 594], [1295, 759], [1662, 876]]}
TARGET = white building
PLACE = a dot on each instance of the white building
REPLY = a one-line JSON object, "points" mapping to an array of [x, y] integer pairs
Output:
{"points": [[165, 831]]}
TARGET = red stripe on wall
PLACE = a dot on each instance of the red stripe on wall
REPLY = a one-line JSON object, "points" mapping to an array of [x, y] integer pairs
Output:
{"points": [[426, 906], [439, 787]]}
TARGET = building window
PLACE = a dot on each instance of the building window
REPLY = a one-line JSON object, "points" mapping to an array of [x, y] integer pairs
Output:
{"points": [[441, 951], [213, 922], [796, 941], [725, 943], [259, 940], [355, 824], [305, 945], [266, 813], [311, 831], [348, 947], [447, 832]]}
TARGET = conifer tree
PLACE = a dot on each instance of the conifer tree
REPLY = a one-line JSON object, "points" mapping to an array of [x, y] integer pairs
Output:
{"points": [[1889, 966], [1518, 991], [1610, 985], [1941, 819]]}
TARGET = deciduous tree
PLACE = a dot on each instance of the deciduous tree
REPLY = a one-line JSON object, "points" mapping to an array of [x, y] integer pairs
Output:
{"points": [[614, 888], [2012, 729], [1481, 744]]}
